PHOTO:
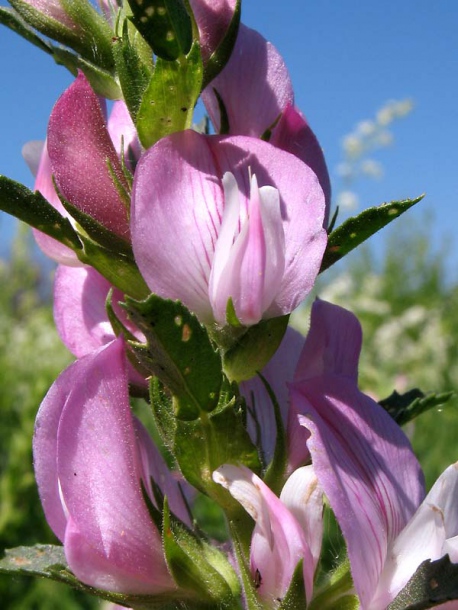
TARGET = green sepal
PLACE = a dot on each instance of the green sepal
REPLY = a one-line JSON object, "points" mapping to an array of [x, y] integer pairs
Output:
{"points": [[357, 229], [214, 439], [224, 126], [275, 474], [168, 103], [405, 407], [133, 73], [165, 25], [196, 566], [179, 352], [336, 592], [249, 585], [253, 350], [222, 53], [119, 269], [11, 19], [163, 412], [434, 583], [33, 209], [48, 561], [95, 34], [231, 314], [102, 81], [295, 596]]}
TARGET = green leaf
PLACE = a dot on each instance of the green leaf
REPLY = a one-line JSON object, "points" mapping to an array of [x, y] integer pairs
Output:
{"points": [[179, 352], [48, 561], [253, 350], [434, 583], [222, 53], [275, 473], [214, 439], [168, 103], [356, 230], [119, 269], [197, 566], [33, 209], [405, 407], [165, 25], [134, 75]]}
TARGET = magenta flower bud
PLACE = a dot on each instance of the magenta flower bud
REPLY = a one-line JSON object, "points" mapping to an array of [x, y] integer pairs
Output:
{"points": [[90, 457], [84, 161], [230, 220]]}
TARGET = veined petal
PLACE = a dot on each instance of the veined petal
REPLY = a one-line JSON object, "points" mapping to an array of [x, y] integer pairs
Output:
{"points": [[249, 270], [154, 467], [301, 208], [333, 343], [366, 467], [303, 496], [293, 134], [110, 541], [80, 314], [426, 536], [254, 86], [177, 207], [83, 156], [44, 184], [278, 542], [277, 372], [213, 18], [79, 309]]}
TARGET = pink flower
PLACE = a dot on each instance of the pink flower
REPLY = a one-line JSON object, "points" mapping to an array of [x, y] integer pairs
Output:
{"points": [[80, 314], [84, 155], [257, 93], [288, 529], [90, 456], [213, 18], [362, 459], [216, 219], [84, 160]]}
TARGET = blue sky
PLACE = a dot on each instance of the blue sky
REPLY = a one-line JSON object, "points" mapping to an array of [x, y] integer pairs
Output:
{"points": [[346, 59]]}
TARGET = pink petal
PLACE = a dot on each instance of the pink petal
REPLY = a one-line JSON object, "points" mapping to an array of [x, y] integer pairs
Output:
{"points": [[254, 85], [333, 343], [301, 203], [303, 496], [293, 134], [45, 448], [80, 314], [110, 541], [79, 309], [366, 467], [176, 213], [81, 152], [252, 266], [123, 134], [427, 536], [153, 465], [213, 18], [279, 370], [44, 184], [278, 542]]}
